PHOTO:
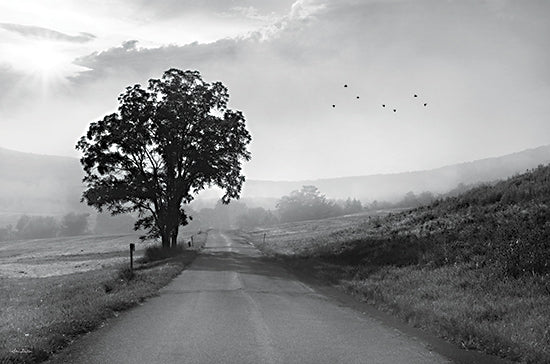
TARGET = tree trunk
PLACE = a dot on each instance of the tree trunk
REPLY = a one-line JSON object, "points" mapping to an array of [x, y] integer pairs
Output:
{"points": [[174, 237], [165, 240]]}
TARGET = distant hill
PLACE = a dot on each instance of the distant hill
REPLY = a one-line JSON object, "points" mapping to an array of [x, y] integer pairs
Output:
{"points": [[42, 184], [32, 183], [391, 187]]}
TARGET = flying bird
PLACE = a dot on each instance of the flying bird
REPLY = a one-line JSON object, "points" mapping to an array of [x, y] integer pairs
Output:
{"points": [[425, 104], [383, 105], [357, 97], [345, 85], [415, 95], [333, 105], [394, 110]]}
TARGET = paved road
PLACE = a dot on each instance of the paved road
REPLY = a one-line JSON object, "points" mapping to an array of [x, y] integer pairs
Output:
{"points": [[233, 306]]}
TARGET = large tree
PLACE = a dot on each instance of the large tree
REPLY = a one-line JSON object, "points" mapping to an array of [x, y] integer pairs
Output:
{"points": [[166, 143]]}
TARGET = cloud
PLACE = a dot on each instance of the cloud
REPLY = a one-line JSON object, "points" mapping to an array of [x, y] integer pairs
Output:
{"points": [[45, 33], [303, 9], [385, 47], [251, 12], [174, 8], [274, 40], [130, 60]]}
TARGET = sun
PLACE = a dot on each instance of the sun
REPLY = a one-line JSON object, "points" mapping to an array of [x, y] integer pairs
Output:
{"points": [[44, 62]]}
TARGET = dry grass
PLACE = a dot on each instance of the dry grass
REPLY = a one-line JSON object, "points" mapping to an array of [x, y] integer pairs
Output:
{"points": [[41, 315], [307, 238], [39, 258], [468, 304], [471, 307]]}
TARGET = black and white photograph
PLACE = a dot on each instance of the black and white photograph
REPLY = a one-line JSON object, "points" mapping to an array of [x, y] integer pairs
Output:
{"points": [[275, 181]]}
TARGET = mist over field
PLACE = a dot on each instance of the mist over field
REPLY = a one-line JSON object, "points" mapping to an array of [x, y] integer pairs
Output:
{"points": [[52, 185]]}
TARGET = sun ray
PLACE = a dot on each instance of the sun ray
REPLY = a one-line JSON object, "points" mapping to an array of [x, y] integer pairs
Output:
{"points": [[44, 63]]}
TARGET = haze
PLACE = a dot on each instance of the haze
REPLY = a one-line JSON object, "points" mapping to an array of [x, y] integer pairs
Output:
{"points": [[480, 66]]}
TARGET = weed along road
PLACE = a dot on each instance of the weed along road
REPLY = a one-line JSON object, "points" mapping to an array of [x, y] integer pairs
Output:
{"points": [[234, 306]]}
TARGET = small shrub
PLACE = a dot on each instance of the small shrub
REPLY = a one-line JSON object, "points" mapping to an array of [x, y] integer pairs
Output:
{"points": [[155, 253], [125, 274]]}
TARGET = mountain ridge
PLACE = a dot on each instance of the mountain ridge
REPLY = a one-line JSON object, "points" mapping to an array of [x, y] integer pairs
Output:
{"points": [[36, 183], [388, 187]]}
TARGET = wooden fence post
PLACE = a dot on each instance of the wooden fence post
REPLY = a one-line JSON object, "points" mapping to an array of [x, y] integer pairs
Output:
{"points": [[132, 248]]}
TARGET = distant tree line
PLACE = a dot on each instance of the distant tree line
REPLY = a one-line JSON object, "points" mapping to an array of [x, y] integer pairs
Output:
{"points": [[71, 224], [306, 203], [230, 216], [38, 227]]}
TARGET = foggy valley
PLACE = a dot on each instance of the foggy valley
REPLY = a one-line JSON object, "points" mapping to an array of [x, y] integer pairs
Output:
{"points": [[290, 181]]}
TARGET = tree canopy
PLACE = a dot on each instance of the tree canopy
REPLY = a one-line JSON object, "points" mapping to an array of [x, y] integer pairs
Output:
{"points": [[309, 204], [306, 204], [166, 143]]}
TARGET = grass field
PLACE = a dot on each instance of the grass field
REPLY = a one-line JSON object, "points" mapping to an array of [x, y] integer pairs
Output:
{"points": [[464, 302], [56, 289], [39, 258]]}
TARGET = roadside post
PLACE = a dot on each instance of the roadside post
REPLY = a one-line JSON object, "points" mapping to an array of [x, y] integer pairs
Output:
{"points": [[132, 249], [264, 238]]}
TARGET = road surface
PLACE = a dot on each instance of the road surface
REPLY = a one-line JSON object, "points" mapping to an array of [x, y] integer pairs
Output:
{"points": [[234, 306]]}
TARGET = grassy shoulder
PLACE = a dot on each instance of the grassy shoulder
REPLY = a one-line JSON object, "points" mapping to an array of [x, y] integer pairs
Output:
{"points": [[470, 307], [467, 301], [42, 315]]}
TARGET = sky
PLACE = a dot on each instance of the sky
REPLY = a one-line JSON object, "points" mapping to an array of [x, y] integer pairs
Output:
{"points": [[481, 66]]}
